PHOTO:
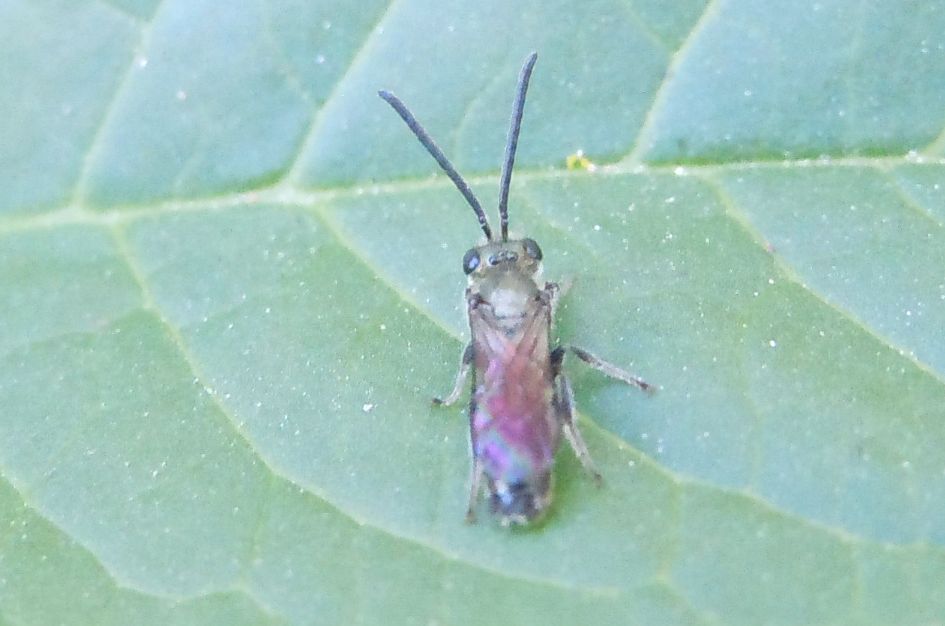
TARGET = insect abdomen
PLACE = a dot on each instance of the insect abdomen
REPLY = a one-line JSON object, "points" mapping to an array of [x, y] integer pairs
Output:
{"points": [[514, 429]]}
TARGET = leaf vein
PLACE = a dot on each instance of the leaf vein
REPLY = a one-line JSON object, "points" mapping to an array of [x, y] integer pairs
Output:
{"points": [[646, 130], [281, 60], [637, 20], [788, 273], [73, 213], [910, 201], [309, 136], [79, 190], [935, 147], [121, 11], [671, 588], [116, 580]]}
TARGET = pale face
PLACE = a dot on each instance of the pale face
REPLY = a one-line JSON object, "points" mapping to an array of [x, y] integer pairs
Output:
{"points": [[505, 275]]}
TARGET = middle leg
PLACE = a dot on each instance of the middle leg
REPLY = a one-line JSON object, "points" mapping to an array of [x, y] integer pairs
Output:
{"points": [[611, 370]]}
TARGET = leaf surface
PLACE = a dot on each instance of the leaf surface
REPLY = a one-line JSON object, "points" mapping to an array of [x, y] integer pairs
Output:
{"points": [[230, 282]]}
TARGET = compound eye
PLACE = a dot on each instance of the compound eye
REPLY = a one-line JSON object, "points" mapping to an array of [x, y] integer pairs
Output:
{"points": [[470, 260], [532, 249]]}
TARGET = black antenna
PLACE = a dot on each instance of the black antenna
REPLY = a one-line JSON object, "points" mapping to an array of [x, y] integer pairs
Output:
{"points": [[512, 142], [437, 154]]}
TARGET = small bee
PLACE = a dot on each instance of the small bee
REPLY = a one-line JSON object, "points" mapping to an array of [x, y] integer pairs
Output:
{"points": [[521, 401]]}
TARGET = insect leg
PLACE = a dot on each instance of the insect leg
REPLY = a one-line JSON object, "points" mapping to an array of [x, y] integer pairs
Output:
{"points": [[552, 295], [461, 375], [564, 404], [475, 478], [611, 370]]}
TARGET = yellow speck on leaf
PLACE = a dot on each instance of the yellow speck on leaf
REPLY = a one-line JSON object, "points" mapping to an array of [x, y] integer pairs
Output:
{"points": [[579, 161]]}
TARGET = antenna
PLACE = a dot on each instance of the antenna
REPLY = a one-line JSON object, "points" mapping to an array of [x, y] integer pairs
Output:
{"points": [[441, 159], [512, 142]]}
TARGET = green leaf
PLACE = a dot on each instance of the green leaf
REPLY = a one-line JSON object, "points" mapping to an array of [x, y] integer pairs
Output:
{"points": [[230, 282]]}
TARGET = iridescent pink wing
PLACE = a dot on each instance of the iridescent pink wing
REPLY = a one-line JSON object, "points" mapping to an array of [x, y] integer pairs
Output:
{"points": [[514, 430]]}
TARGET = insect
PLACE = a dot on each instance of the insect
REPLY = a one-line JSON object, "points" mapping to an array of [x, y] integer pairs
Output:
{"points": [[521, 402]]}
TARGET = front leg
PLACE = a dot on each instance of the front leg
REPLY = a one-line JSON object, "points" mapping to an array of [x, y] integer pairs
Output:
{"points": [[473, 300], [551, 295], [464, 365]]}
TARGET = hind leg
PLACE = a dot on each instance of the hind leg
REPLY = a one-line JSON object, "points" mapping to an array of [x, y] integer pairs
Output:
{"points": [[475, 479], [564, 408]]}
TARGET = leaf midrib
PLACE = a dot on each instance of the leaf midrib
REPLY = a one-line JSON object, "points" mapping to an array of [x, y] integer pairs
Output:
{"points": [[285, 193]]}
